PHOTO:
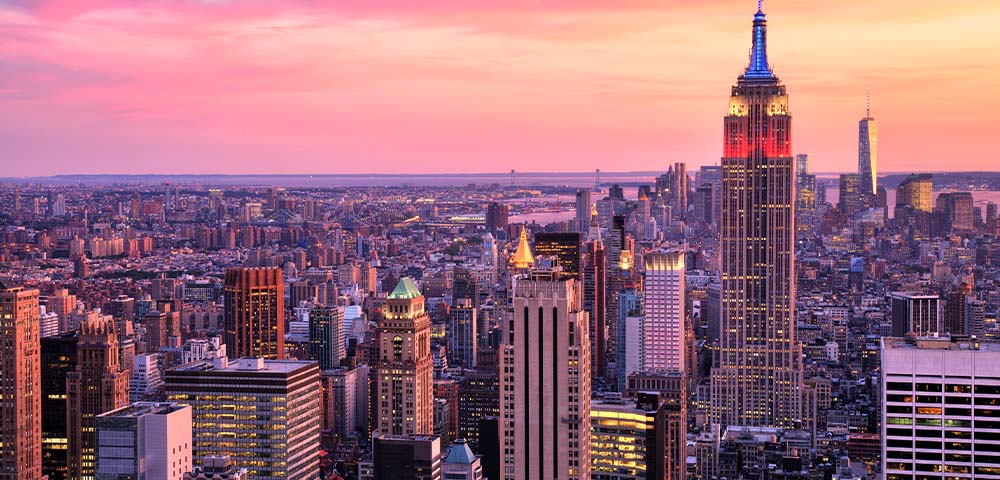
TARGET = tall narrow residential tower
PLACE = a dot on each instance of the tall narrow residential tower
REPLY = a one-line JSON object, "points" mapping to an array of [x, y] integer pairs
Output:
{"points": [[255, 313], [758, 379], [868, 151], [20, 385]]}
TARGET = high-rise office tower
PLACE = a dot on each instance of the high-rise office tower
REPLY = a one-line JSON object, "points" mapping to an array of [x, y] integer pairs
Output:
{"points": [[286, 400], [155, 322], [58, 358], [938, 399], [489, 256], [595, 279], [497, 217], [564, 246], [326, 336], [99, 384], [957, 210], [583, 204], [852, 194], [916, 191], [144, 440], [805, 185], [545, 380], [868, 151], [628, 438], [663, 312], [255, 313], [20, 385], [405, 376], [628, 353], [759, 375], [915, 313], [672, 389], [462, 333], [680, 188]]}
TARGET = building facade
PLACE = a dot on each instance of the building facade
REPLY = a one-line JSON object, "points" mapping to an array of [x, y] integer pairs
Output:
{"points": [[404, 372], [286, 396], [20, 384], [663, 323], [545, 381], [255, 313], [144, 441], [99, 384], [939, 408], [326, 336], [58, 359]]}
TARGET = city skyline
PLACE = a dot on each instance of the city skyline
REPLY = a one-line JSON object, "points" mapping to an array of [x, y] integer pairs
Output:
{"points": [[746, 317], [127, 87]]}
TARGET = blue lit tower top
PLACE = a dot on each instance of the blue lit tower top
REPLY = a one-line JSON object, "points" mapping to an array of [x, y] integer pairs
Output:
{"points": [[758, 67]]}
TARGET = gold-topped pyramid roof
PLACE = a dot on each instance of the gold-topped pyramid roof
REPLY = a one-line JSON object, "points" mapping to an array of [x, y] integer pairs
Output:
{"points": [[523, 259]]}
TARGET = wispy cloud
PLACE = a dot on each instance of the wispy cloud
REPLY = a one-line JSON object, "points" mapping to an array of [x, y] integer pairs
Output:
{"points": [[436, 85]]}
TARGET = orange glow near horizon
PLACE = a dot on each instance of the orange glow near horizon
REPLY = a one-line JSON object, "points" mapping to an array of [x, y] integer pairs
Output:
{"points": [[395, 86]]}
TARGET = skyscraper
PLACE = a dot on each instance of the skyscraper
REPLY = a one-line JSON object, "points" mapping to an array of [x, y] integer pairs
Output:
{"points": [[680, 188], [758, 379], [405, 376], [20, 385], [629, 437], [564, 246], [583, 211], [868, 151], [462, 333], [545, 381], [326, 336], [805, 185], [595, 279], [278, 438], [255, 313], [916, 191], [852, 194], [59, 358], [663, 317], [496, 217], [98, 385], [914, 375], [915, 313]]}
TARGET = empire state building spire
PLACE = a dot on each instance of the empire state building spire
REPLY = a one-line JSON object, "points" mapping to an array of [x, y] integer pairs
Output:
{"points": [[758, 67]]}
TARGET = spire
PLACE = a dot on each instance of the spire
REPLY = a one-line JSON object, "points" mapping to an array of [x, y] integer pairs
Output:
{"points": [[523, 259], [758, 67], [594, 232], [868, 105]]}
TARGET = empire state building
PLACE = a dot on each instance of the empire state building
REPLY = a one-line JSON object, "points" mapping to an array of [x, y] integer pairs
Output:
{"points": [[758, 378]]}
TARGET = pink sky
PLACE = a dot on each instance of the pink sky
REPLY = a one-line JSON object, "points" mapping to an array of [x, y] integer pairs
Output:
{"points": [[422, 86]]}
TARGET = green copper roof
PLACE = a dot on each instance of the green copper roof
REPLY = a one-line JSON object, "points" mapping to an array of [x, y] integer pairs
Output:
{"points": [[406, 289]]}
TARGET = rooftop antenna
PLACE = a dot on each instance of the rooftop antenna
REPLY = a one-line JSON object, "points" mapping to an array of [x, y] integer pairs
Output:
{"points": [[597, 180], [868, 104], [760, 5]]}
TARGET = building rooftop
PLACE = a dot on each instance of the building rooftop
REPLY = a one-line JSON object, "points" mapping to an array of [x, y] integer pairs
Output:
{"points": [[460, 453], [245, 365], [139, 409], [406, 289], [942, 342]]}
